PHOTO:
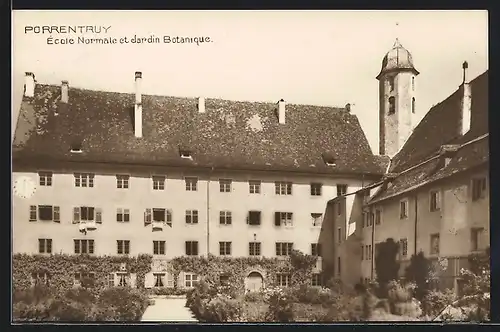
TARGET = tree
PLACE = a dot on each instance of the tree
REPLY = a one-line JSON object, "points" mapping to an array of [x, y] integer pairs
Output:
{"points": [[386, 264], [476, 289], [419, 271]]}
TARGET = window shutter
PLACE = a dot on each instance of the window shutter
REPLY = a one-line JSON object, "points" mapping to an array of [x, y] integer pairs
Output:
{"points": [[98, 215], [196, 248], [56, 214], [277, 221], [147, 217], [33, 213], [76, 215], [168, 217]]}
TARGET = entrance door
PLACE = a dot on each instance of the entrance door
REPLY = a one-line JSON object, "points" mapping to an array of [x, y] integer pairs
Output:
{"points": [[254, 282]]}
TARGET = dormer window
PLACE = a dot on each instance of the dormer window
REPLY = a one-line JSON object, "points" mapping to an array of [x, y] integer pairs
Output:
{"points": [[186, 154], [76, 147], [413, 105], [329, 160]]}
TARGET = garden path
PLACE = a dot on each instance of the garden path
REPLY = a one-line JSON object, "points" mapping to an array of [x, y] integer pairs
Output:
{"points": [[168, 310]]}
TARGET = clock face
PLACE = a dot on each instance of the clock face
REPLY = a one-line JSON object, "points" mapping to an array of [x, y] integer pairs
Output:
{"points": [[24, 187]]}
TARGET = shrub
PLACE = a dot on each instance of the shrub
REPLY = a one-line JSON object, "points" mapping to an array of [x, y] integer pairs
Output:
{"points": [[223, 309], [254, 297], [280, 306], [386, 264], [419, 271], [435, 301]]}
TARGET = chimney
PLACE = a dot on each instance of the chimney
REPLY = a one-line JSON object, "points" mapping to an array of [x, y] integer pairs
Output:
{"points": [[29, 84], [201, 105], [281, 111], [466, 101], [64, 91], [138, 105]]}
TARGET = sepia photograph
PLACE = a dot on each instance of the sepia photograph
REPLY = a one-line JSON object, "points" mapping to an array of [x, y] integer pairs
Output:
{"points": [[250, 166]]}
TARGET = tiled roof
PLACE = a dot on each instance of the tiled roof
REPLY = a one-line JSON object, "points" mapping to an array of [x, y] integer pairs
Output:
{"points": [[468, 157], [441, 125], [230, 134]]}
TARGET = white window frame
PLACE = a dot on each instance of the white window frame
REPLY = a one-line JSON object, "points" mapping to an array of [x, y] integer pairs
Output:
{"points": [[46, 248], [45, 178], [124, 245], [283, 279], [254, 186], [403, 243], [283, 248], [316, 280], [192, 217], [190, 251], [285, 219], [254, 248], [84, 180], [159, 247], [190, 279], [161, 277], [407, 206], [432, 251], [316, 189], [341, 186], [122, 181], [191, 183], [35, 214], [479, 187], [89, 243], [434, 204], [378, 216], [478, 232], [124, 213], [159, 182], [225, 218], [283, 188], [225, 185], [317, 219], [225, 248]]}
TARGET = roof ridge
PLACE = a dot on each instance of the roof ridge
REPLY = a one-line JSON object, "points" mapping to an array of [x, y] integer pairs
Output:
{"points": [[336, 108]]}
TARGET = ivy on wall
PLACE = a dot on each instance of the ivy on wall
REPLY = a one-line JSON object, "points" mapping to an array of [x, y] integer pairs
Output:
{"points": [[62, 268]]}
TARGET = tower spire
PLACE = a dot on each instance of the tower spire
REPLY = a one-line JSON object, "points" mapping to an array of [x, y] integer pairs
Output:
{"points": [[397, 43]]}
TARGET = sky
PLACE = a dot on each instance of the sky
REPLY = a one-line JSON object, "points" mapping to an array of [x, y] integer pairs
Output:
{"points": [[328, 58]]}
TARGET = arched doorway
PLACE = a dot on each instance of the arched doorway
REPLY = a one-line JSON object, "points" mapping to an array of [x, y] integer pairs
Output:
{"points": [[254, 282]]}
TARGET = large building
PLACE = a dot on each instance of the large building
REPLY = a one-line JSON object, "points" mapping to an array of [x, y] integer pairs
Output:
{"points": [[433, 197], [108, 173]]}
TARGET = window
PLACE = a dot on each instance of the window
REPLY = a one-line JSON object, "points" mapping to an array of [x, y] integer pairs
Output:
{"points": [[316, 189], [45, 213], [315, 249], [85, 279], [158, 182], [378, 217], [185, 154], [475, 238], [338, 266], [403, 243], [159, 279], [283, 188], [478, 188], [123, 247], [84, 246], [434, 244], [158, 247], [371, 219], [190, 279], [191, 248], [191, 216], [390, 80], [191, 183], [283, 248], [368, 252], [283, 219], [403, 209], [413, 105], [339, 208], [225, 185], [40, 278], [434, 201], [84, 180], [111, 280], [316, 219], [413, 83], [45, 246], [316, 279], [362, 252], [254, 186], [225, 218], [122, 181], [253, 218], [392, 105], [341, 189], [225, 248], [158, 215], [339, 235], [87, 213], [254, 248], [122, 215], [45, 178], [283, 279]]}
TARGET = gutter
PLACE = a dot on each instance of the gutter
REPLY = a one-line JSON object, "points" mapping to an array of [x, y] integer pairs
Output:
{"points": [[208, 210], [416, 224]]}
